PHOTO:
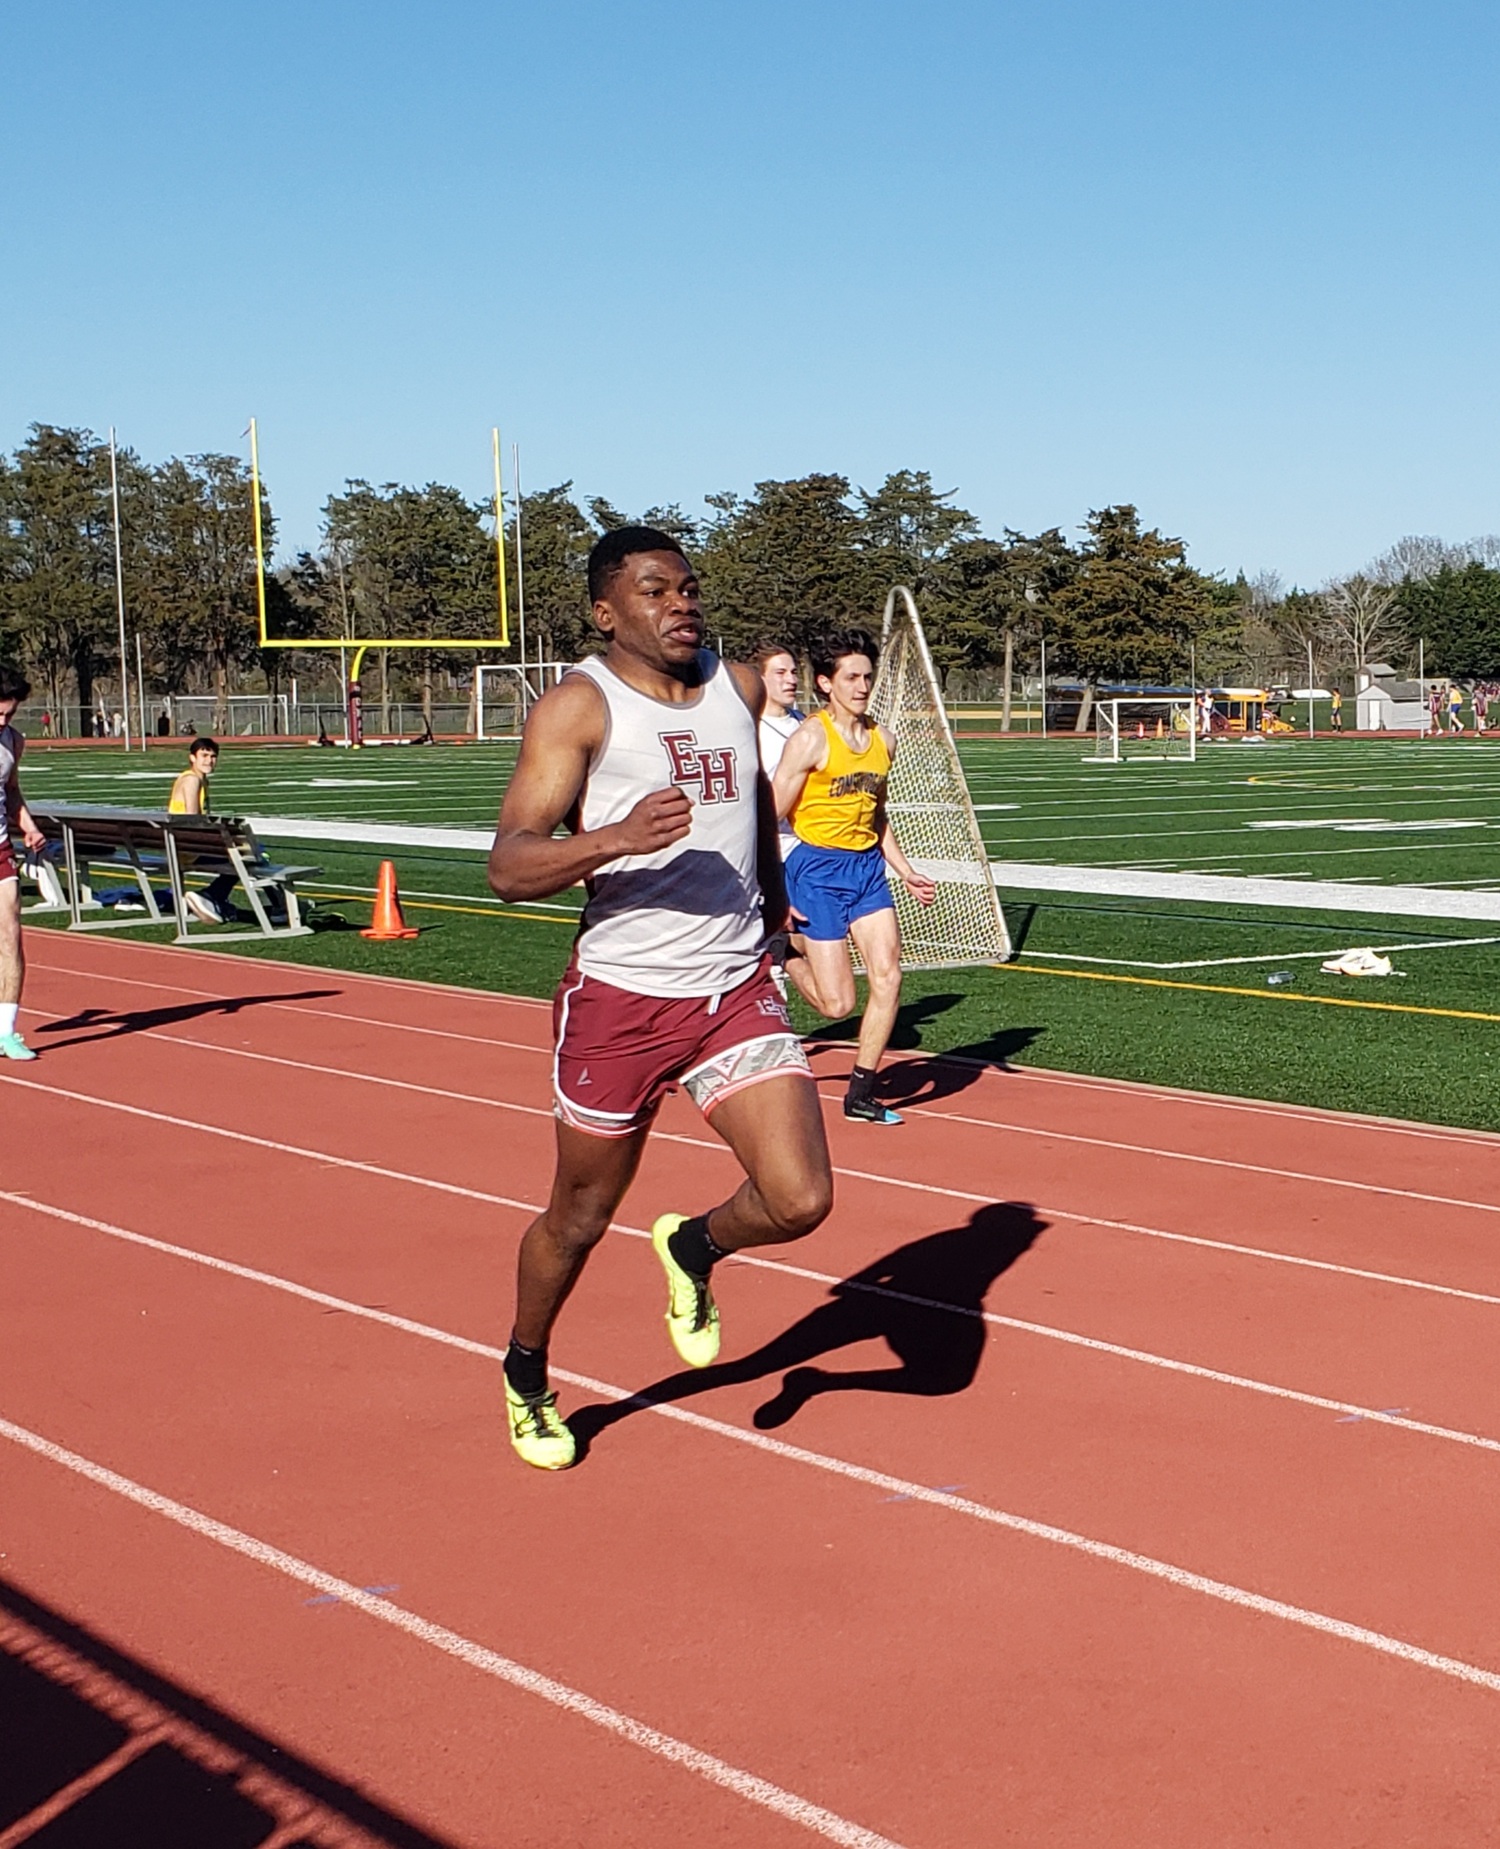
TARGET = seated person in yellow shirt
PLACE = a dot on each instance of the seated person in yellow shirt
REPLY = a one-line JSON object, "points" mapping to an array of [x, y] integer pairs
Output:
{"points": [[831, 782], [190, 797]]}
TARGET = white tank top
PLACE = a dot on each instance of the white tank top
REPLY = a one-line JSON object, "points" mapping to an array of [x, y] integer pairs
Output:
{"points": [[774, 734], [687, 920]]}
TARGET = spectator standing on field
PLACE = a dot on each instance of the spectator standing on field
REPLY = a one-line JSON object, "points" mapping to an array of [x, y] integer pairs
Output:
{"points": [[1336, 710], [14, 688]]}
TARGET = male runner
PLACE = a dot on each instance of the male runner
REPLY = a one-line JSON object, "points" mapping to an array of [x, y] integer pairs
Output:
{"points": [[779, 718], [647, 755], [831, 782], [14, 688]]}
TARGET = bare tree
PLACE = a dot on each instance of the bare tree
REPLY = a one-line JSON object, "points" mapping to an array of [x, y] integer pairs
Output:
{"points": [[1363, 617], [1418, 555], [1423, 555]]}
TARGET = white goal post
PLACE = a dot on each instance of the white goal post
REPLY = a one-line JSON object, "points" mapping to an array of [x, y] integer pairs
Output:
{"points": [[505, 693], [1145, 728], [929, 806]]}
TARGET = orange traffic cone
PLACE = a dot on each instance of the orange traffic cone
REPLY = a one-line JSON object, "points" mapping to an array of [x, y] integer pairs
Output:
{"points": [[386, 921]]}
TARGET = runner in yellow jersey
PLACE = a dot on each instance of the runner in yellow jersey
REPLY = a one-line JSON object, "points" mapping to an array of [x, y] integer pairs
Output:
{"points": [[190, 797], [831, 783]]}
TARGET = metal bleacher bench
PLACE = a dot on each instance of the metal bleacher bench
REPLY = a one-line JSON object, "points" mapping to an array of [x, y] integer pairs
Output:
{"points": [[142, 843]]}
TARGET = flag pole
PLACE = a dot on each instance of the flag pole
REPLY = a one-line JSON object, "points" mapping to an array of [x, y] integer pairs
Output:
{"points": [[260, 553], [500, 542], [1310, 732], [515, 475], [114, 497]]}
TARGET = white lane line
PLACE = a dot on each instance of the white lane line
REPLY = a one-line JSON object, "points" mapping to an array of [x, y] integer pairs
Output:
{"points": [[1278, 1258], [851, 1174], [320, 1156], [966, 1196], [1182, 1155], [1146, 1564], [1172, 1155], [227, 960], [1047, 1331], [1030, 1075], [746, 1785]]}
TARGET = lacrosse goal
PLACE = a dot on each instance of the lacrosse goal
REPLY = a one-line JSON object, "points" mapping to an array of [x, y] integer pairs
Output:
{"points": [[929, 807]]}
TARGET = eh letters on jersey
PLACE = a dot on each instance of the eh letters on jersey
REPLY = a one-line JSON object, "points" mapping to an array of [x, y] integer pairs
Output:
{"points": [[714, 774]]}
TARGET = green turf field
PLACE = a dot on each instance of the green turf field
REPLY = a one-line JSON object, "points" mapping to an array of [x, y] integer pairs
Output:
{"points": [[1175, 993]]}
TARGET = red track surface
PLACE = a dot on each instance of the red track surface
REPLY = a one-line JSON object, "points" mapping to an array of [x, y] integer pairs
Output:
{"points": [[1219, 1605]]}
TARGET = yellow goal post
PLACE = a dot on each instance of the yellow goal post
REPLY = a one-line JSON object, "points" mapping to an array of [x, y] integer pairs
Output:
{"points": [[361, 645]]}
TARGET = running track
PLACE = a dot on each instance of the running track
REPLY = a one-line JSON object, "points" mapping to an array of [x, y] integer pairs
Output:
{"points": [[1140, 1490]]}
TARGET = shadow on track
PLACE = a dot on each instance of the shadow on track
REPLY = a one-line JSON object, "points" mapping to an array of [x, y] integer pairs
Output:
{"points": [[925, 1301], [926, 1081], [102, 1752], [111, 1025]]}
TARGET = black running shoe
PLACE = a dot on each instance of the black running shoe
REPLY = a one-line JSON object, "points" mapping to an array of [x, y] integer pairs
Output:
{"points": [[869, 1111]]}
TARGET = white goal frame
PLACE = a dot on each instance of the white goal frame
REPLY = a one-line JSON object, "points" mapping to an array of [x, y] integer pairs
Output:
{"points": [[526, 686], [1118, 741], [929, 807]]}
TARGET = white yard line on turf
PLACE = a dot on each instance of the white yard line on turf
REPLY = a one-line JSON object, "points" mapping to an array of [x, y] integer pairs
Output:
{"points": [[1106, 1551], [1283, 956], [1257, 890], [786, 1804], [371, 834]]}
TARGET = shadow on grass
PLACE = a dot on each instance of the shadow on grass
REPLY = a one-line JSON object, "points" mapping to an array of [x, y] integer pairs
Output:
{"points": [[925, 1301], [107, 1024]]}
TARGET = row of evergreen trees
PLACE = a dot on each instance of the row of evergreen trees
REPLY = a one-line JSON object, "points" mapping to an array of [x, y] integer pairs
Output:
{"points": [[1120, 602]]}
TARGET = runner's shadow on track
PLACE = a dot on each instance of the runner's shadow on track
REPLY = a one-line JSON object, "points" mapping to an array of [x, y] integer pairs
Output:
{"points": [[925, 1301], [107, 1024], [925, 1081]]}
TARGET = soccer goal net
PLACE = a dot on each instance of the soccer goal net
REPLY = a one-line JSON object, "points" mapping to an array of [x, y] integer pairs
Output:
{"points": [[506, 693], [242, 715], [1144, 728], [929, 807]]}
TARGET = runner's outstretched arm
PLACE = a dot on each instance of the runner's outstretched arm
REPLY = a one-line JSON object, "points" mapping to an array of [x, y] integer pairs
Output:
{"points": [[529, 860]]}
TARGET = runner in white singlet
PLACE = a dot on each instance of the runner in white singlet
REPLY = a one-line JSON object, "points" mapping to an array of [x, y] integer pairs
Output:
{"points": [[648, 755], [779, 718], [14, 688]]}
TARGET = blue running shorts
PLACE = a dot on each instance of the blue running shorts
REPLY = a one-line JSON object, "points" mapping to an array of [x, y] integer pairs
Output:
{"points": [[832, 886]]}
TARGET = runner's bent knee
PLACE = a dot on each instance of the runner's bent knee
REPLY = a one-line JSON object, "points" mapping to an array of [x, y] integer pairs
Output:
{"points": [[797, 1204]]}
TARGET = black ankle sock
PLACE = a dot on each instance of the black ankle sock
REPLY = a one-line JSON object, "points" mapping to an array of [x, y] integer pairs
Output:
{"points": [[526, 1369], [693, 1247], [861, 1084]]}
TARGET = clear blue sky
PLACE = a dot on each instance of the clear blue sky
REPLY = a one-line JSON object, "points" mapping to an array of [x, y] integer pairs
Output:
{"points": [[1234, 262]]}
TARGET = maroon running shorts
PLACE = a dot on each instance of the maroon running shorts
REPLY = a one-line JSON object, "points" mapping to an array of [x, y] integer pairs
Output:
{"points": [[618, 1052]]}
